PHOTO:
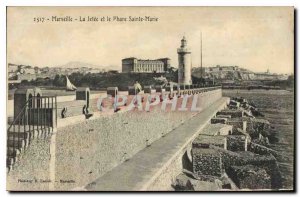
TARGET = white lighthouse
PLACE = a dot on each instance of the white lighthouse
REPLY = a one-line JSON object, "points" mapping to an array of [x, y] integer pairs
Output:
{"points": [[184, 64]]}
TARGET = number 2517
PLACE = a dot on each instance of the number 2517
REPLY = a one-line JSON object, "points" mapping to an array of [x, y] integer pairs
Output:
{"points": [[39, 19]]}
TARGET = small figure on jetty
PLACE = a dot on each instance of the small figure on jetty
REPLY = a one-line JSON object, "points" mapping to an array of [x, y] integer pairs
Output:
{"points": [[85, 111], [63, 112], [137, 87]]}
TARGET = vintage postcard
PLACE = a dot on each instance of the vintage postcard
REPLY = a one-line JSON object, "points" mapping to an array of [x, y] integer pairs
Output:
{"points": [[150, 99]]}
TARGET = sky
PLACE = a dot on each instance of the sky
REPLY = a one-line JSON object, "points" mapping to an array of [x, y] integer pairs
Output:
{"points": [[255, 38]]}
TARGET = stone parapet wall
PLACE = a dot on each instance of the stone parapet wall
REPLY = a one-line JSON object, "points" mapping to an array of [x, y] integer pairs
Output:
{"points": [[60, 99], [205, 99], [74, 108], [183, 161], [94, 147], [109, 141], [31, 171]]}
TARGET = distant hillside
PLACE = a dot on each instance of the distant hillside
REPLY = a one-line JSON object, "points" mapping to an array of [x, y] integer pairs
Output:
{"points": [[234, 73], [77, 64]]}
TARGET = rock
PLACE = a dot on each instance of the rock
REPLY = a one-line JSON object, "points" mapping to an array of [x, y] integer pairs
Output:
{"points": [[237, 142], [223, 116], [204, 141], [186, 183], [241, 99], [217, 129], [234, 113], [250, 177], [262, 141], [218, 120], [207, 162], [254, 111], [248, 113], [258, 126], [205, 185], [234, 103], [182, 183], [237, 123]]}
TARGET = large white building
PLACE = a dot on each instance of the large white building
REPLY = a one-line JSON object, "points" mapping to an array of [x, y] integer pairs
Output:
{"points": [[135, 65]]}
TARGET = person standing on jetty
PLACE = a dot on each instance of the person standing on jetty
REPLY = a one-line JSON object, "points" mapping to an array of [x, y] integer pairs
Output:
{"points": [[137, 87]]}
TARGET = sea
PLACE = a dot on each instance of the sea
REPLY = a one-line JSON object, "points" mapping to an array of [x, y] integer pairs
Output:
{"points": [[278, 108]]}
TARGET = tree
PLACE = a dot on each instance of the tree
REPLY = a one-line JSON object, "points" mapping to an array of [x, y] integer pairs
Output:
{"points": [[59, 80]]}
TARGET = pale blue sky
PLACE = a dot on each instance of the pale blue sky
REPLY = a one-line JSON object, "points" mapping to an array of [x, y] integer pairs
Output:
{"points": [[256, 38]]}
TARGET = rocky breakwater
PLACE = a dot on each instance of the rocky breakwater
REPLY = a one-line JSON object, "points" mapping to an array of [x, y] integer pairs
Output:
{"points": [[233, 153]]}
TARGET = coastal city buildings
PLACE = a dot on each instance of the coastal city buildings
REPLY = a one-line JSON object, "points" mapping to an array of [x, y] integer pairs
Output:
{"points": [[134, 65], [29, 73], [236, 73]]}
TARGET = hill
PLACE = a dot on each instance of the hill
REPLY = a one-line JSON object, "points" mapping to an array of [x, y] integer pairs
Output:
{"points": [[78, 64], [235, 74]]}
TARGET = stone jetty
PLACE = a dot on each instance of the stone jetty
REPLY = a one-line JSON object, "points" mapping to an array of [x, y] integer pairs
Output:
{"points": [[232, 153]]}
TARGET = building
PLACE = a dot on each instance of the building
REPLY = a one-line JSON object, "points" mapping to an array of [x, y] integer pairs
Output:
{"points": [[268, 76], [219, 68], [26, 77], [13, 68], [135, 65], [27, 70], [184, 64]]}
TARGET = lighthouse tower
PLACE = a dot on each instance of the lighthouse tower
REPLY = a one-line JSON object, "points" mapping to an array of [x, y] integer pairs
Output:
{"points": [[184, 64]]}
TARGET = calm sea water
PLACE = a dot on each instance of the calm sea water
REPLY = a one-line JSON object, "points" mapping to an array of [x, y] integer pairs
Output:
{"points": [[278, 108]]}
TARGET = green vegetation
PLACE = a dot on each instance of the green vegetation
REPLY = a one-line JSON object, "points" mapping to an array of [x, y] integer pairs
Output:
{"points": [[98, 81]]}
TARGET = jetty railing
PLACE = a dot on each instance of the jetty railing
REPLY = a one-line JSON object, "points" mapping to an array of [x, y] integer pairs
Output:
{"points": [[37, 117]]}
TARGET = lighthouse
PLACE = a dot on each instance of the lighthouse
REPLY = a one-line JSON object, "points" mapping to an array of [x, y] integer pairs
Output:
{"points": [[184, 64]]}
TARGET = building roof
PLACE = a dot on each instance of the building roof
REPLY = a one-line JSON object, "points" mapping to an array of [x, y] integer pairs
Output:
{"points": [[150, 61], [147, 60]]}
